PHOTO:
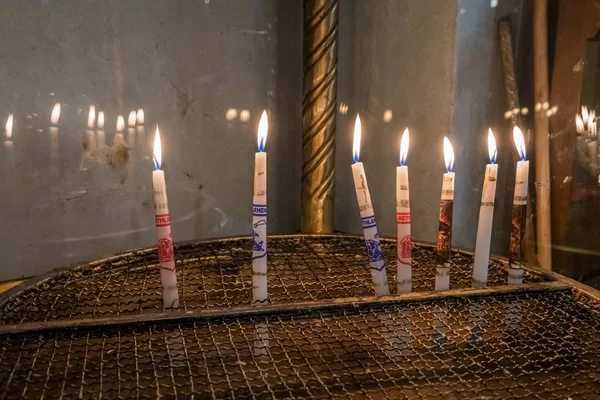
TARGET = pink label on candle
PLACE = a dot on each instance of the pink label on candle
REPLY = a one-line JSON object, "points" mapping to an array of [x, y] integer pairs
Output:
{"points": [[165, 250], [403, 218], [162, 220]]}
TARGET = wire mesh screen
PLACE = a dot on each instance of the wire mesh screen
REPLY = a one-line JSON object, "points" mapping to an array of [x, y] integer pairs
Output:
{"points": [[218, 274], [529, 345]]}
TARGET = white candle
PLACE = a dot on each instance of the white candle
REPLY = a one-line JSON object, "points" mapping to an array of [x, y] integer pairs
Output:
{"points": [[259, 216], [166, 256], [367, 215], [486, 217], [517, 234], [444, 245], [404, 245]]}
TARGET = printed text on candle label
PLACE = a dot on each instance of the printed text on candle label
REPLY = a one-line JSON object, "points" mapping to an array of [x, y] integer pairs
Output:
{"points": [[259, 210], [162, 220], [369, 222], [403, 218]]}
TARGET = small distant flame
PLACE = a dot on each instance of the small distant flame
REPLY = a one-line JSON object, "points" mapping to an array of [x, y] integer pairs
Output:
{"points": [[101, 120], [132, 118], [91, 117], [492, 149], [519, 142], [591, 119], [356, 142], [404, 147], [9, 126], [157, 154], [140, 117], [120, 123], [263, 127], [55, 116], [448, 154], [579, 126], [593, 130]]}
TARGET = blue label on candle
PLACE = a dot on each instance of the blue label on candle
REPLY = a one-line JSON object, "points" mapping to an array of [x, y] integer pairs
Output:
{"points": [[374, 250], [368, 222], [259, 210], [258, 242]]}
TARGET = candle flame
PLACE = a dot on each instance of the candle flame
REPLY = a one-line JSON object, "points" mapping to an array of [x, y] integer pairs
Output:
{"points": [[101, 120], [157, 153], [519, 142], [448, 154], [592, 130], [131, 118], [579, 127], [591, 120], [404, 147], [263, 127], [492, 149], [584, 113], [91, 117], [9, 126], [120, 123], [140, 116], [356, 142], [55, 116]]}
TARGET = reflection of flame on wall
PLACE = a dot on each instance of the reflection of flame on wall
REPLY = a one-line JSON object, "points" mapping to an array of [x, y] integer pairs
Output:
{"points": [[55, 116], [131, 120], [140, 116], [120, 123], [92, 117], [101, 120], [9, 126], [244, 116], [231, 114]]}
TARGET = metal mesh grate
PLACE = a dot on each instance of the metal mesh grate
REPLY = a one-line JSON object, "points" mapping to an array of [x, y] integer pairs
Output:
{"points": [[529, 345], [218, 274]]}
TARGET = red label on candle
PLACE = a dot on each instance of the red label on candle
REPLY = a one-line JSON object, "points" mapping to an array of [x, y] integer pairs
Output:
{"points": [[403, 218], [405, 246], [162, 220], [165, 250]]}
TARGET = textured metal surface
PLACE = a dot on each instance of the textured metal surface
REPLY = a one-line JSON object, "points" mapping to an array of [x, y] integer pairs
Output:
{"points": [[318, 114], [218, 274], [530, 345]]}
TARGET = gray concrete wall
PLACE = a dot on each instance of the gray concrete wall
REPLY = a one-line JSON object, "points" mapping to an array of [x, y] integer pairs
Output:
{"points": [[185, 63], [432, 63]]}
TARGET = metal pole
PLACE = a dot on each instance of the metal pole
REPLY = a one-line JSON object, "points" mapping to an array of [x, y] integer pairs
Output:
{"points": [[319, 94], [542, 133]]}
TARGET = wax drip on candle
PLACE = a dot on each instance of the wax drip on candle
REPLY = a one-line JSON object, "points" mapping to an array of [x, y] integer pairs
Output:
{"points": [[492, 149], [263, 127], [356, 142], [519, 142], [448, 155], [404, 147], [157, 153]]}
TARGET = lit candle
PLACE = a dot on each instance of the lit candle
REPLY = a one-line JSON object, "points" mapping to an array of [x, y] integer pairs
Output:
{"points": [[119, 139], [92, 117], [131, 121], [259, 216], [592, 140], [486, 216], [444, 245], [404, 245], [101, 120], [55, 116], [166, 256], [367, 216], [519, 212]]}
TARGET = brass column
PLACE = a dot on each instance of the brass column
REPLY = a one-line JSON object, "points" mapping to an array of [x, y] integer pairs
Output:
{"points": [[319, 93]]}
